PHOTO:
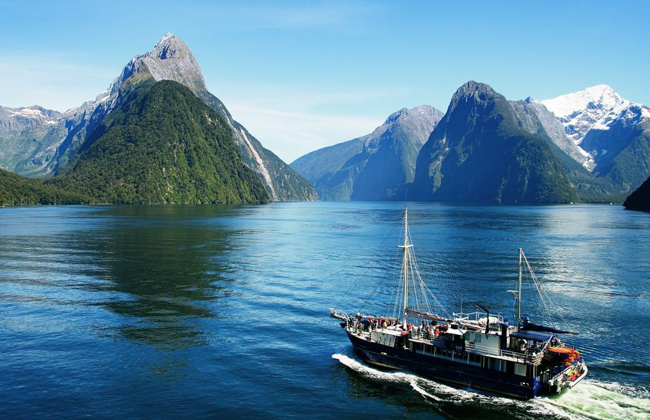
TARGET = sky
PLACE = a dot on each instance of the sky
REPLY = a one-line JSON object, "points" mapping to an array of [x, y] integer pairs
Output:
{"points": [[303, 75]]}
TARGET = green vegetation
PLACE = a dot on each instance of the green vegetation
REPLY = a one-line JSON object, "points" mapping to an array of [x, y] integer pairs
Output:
{"points": [[162, 145], [629, 168], [332, 169], [18, 191], [288, 185]]}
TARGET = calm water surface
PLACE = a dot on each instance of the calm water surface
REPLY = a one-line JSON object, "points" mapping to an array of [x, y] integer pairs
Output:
{"points": [[222, 312]]}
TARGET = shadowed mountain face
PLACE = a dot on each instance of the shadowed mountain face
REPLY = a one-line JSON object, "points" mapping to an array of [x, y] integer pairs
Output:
{"points": [[375, 166], [639, 199], [479, 153], [38, 142]]}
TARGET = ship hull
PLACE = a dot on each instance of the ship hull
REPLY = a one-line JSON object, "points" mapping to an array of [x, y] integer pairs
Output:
{"points": [[454, 372]]}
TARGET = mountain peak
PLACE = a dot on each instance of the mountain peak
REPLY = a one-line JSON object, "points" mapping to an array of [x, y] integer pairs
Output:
{"points": [[168, 47], [600, 97], [426, 110], [395, 116], [170, 59], [472, 92], [475, 88], [472, 96], [594, 107], [166, 37]]}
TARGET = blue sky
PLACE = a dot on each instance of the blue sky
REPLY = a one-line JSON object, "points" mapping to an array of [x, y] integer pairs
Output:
{"points": [[302, 75]]}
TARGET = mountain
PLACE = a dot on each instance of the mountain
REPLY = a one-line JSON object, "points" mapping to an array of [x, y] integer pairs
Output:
{"points": [[375, 166], [640, 198], [171, 59], [38, 146], [16, 190], [613, 132], [162, 144], [579, 112], [36, 142], [483, 152], [30, 138], [535, 118]]}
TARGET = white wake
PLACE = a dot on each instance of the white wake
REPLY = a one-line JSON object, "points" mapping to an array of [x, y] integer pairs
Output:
{"points": [[591, 399]]}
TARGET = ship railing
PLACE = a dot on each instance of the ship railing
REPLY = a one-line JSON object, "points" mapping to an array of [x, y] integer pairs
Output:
{"points": [[532, 358], [484, 350]]}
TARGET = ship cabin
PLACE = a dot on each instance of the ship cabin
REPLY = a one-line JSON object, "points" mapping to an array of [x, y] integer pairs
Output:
{"points": [[486, 342]]}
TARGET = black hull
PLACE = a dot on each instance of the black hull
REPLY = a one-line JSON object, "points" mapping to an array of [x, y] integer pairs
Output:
{"points": [[456, 373]]}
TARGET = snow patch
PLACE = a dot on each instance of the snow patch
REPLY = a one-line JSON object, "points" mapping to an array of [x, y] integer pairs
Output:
{"points": [[26, 113], [645, 112], [596, 97]]}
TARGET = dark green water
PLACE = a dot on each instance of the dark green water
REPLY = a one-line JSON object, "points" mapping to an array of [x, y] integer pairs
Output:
{"points": [[222, 312]]}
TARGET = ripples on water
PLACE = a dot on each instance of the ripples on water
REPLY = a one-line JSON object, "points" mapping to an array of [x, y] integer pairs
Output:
{"points": [[218, 312]]}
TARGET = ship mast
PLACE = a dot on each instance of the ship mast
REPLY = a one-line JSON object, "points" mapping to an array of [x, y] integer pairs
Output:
{"points": [[405, 263], [521, 253]]}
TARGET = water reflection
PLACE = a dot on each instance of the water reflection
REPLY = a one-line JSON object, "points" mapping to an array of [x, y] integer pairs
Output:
{"points": [[165, 272]]}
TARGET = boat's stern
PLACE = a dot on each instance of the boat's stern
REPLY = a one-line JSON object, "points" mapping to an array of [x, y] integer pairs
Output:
{"points": [[567, 378]]}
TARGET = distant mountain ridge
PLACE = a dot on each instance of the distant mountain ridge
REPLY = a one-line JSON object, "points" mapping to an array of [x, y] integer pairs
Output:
{"points": [[488, 149], [374, 166], [591, 145], [33, 146]]}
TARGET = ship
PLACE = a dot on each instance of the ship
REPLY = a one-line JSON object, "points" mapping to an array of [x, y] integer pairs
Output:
{"points": [[475, 350]]}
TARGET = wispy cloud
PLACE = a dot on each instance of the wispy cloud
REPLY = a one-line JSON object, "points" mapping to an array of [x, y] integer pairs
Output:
{"points": [[293, 120], [291, 134], [53, 81]]}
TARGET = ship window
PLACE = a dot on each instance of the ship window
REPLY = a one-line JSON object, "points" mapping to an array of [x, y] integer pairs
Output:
{"points": [[477, 338]]}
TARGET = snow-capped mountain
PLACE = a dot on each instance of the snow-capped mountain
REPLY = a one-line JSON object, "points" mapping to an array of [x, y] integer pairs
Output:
{"points": [[597, 107], [588, 117], [581, 111], [611, 130]]}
